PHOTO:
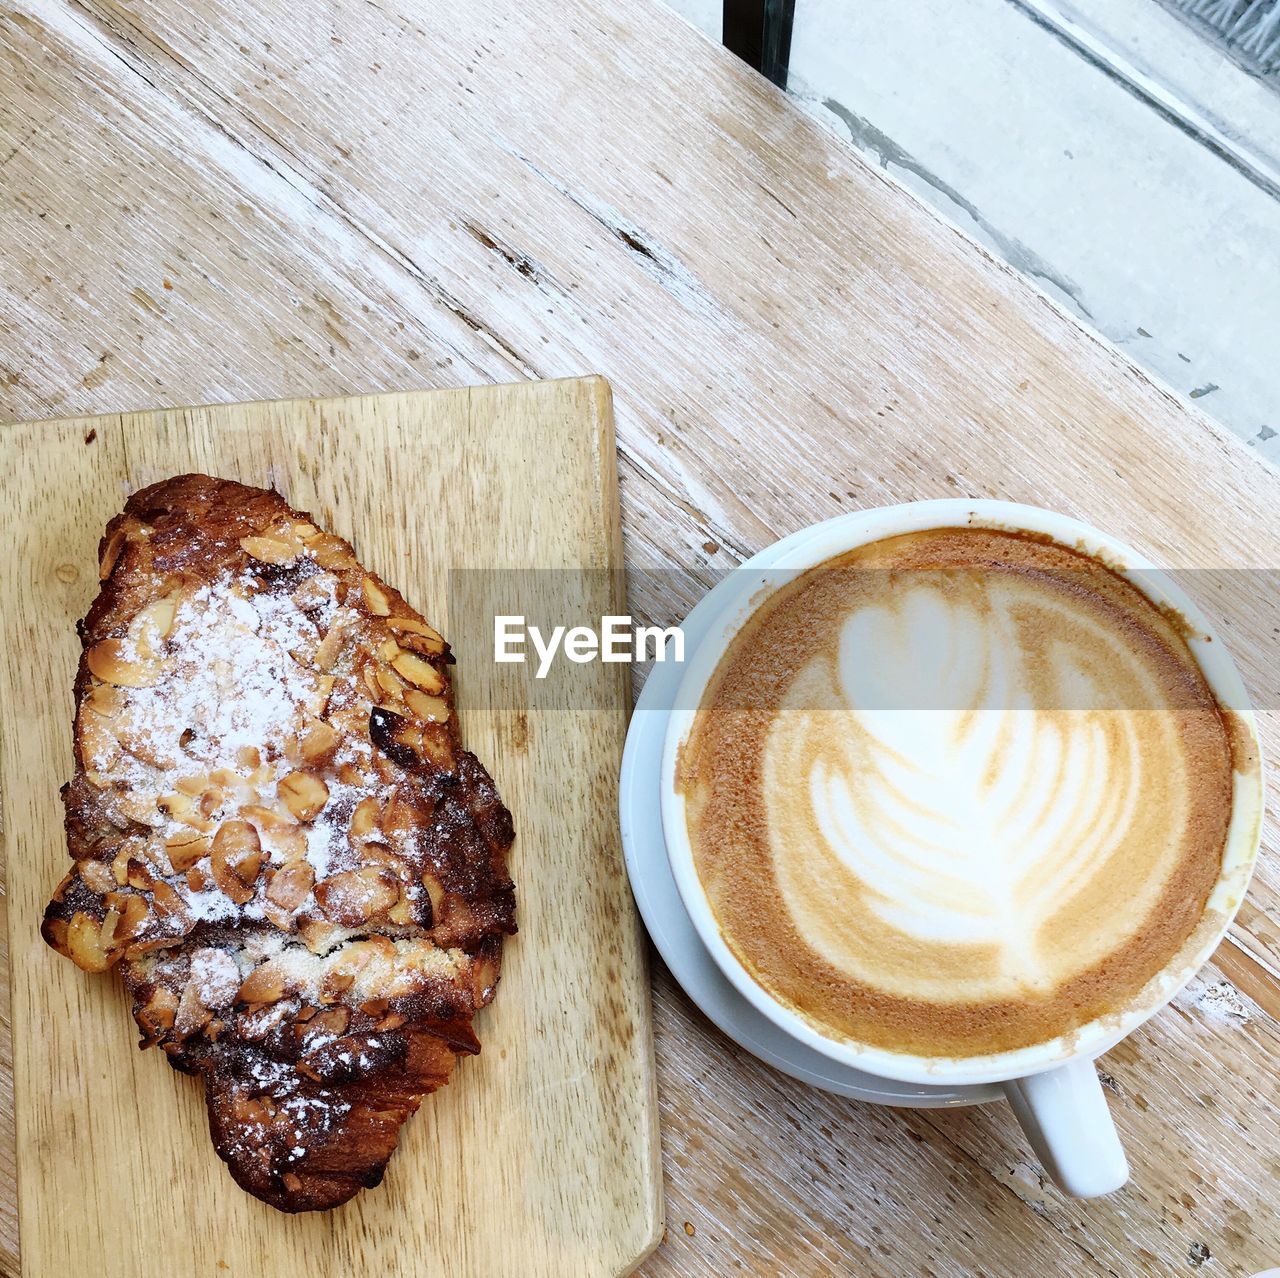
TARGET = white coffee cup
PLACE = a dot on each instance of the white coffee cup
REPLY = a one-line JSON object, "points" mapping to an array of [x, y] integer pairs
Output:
{"points": [[1053, 1087]]}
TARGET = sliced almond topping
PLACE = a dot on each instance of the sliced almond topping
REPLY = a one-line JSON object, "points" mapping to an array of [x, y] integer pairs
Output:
{"points": [[107, 931], [289, 844], [281, 919], [133, 917], [153, 751], [333, 1021], [364, 820], [417, 634], [253, 1109], [324, 690], [418, 672], [153, 625], [85, 945], [216, 976], [186, 848], [412, 626], [267, 983], [139, 948], [402, 812], [169, 905], [131, 914], [319, 934], [421, 643], [270, 550], [314, 592], [401, 913], [303, 793], [289, 887], [111, 553], [139, 876], [425, 706], [105, 700], [389, 650], [182, 808], [152, 853], [211, 801], [376, 853], [330, 551], [118, 662], [269, 819], [484, 980], [336, 983], [375, 598], [437, 746], [97, 875], [424, 644], [192, 1014], [248, 757], [389, 682], [356, 896], [236, 858], [435, 891], [333, 644], [162, 615], [157, 1016], [319, 741], [199, 879]]}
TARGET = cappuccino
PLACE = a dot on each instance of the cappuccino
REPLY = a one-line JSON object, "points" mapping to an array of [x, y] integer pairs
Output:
{"points": [[957, 792]]}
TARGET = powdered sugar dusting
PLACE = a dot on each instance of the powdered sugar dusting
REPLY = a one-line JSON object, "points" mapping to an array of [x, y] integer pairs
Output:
{"points": [[216, 977], [219, 729]]}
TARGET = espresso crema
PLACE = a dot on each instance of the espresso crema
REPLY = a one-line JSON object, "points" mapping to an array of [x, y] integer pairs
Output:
{"points": [[957, 792]]}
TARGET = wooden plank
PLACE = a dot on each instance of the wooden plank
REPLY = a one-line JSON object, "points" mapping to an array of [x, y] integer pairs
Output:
{"points": [[420, 198], [541, 1156]]}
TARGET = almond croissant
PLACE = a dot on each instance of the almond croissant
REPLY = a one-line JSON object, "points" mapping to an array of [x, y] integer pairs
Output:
{"points": [[278, 839]]}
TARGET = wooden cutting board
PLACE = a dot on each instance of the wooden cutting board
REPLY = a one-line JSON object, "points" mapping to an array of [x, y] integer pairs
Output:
{"points": [[541, 1156]]}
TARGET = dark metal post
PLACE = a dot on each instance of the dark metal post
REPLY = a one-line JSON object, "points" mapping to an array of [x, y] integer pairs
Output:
{"points": [[759, 32]]}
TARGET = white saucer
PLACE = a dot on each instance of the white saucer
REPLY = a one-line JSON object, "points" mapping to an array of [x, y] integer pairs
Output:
{"points": [[672, 931]]}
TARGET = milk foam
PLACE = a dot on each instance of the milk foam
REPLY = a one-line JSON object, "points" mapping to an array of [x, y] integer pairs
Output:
{"points": [[957, 791], [969, 766]]}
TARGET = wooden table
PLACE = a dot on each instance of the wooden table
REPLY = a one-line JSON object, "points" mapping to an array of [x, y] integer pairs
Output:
{"points": [[252, 200]]}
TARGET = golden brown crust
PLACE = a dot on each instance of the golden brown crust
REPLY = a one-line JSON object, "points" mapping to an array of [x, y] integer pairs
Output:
{"points": [[278, 839]]}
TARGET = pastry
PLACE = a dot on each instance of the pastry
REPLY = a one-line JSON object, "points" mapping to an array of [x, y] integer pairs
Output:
{"points": [[278, 839]]}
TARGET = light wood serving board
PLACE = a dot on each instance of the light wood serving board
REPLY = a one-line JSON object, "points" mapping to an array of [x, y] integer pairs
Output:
{"points": [[541, 1156]]}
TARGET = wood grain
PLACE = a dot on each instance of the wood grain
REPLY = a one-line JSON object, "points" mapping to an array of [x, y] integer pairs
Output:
{"points": [[541, 1157], [391, 196]]}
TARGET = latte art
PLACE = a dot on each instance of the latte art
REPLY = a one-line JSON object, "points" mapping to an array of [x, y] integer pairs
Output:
{"points": [[957, 791], [977, 822]]}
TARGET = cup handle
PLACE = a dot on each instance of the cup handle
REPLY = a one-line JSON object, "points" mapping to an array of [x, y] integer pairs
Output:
{"points": [[1065, 1116]]}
